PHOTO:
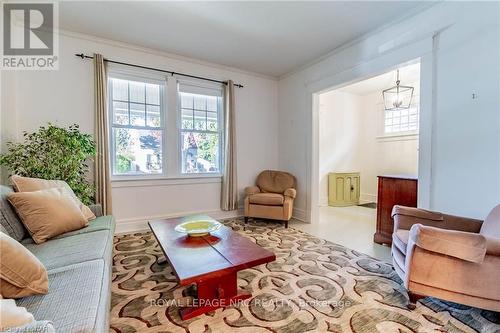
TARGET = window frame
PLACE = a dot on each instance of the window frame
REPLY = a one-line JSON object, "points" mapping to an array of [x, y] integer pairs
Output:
{"points": [[120, 74], [171, 125], [220, 127]]}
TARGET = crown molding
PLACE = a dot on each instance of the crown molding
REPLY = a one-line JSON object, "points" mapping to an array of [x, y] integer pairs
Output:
{"points": [[358, 40], [151, 51]]}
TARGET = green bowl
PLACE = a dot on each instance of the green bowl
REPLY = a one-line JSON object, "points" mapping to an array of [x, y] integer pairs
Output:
{"points": [[197, 228]]}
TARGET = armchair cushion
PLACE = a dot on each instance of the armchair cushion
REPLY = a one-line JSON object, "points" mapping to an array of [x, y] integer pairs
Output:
{"points": [[463, 245], [290, 192], [252, 190], [400, 239], [269, 199]]}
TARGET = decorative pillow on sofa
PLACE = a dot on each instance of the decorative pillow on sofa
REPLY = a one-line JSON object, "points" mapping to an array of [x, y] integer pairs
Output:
{"points": [[47, 213], [21, 273], [26, 184], [12, 315]]}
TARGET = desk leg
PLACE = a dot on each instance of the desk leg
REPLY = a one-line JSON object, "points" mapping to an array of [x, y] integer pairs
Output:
{"points": [[215, 293]]}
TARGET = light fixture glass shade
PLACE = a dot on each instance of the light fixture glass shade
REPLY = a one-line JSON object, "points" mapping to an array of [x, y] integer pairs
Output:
{"points": [[398, 97]]}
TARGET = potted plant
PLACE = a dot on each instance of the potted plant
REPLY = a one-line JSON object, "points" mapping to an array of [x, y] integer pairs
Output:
{"points": [[54, 152]]}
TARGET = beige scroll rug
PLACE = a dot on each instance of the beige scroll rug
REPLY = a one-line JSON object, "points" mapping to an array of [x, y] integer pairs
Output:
{"points": [[313, 286]]}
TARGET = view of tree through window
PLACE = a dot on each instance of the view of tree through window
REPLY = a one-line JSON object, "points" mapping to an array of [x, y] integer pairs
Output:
{"points": [[136, 127], [140, 137], [200, 133]]}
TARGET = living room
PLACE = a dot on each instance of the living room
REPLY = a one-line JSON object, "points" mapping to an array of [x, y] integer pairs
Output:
{"points": [[155, 119]]}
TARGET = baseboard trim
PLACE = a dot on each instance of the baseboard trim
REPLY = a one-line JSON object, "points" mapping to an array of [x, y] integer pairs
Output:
{"points": [[299, 214], [125, 226], [366, 198]]}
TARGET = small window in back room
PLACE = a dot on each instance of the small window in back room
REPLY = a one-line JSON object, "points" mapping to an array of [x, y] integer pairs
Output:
{"points": [[401, 121]]}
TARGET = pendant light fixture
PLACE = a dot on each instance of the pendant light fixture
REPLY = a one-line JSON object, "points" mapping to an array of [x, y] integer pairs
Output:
{"points": [[397, 97]]}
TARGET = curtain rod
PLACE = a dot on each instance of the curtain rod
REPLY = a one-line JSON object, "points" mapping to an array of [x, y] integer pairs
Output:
{"points": [[84, 56]]}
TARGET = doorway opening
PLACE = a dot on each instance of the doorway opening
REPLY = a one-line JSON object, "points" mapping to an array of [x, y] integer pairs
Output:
{"points": [[363, 135]]}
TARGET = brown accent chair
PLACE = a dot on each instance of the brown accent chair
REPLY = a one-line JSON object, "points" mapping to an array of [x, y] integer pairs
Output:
{"points": [[273, 196], [453, 258]]}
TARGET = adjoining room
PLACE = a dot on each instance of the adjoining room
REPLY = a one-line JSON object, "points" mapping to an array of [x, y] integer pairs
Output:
{"points": [[365, 131]]}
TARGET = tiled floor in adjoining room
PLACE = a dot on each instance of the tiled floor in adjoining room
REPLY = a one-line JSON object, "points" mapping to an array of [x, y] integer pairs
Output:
{"points": [[352, 227]]}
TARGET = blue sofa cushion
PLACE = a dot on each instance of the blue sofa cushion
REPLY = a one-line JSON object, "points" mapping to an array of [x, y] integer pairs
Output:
{"points": [[78, 297], [65, 251]]}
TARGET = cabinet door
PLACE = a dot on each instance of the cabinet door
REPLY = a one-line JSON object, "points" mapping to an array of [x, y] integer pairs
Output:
{"points": [[343, 189]]}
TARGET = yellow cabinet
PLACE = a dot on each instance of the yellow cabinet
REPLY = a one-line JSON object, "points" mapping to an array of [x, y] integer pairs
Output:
{"points": [[343, 189]]}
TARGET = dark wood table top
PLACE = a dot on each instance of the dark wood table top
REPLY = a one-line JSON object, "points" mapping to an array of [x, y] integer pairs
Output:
{"points": [[196, 258]]}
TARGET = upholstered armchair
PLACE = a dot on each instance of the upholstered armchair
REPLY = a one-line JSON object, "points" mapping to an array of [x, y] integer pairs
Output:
{"points": [[448, 257], [272, 197]]}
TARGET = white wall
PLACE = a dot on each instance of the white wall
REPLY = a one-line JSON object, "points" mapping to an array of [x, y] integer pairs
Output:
{"points": [[339, 136], [351, 139], [64, 97], [460, 134]]}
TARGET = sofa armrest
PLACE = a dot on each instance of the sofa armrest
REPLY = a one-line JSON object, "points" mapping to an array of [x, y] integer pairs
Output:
{"points": [[252, 190], [96, 209], [406, 217], [290, 192], [467, 246], [493, 246]]}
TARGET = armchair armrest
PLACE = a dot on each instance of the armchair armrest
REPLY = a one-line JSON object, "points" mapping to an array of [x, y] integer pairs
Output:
{"points": [[406, 217], [493, 246], [290, 192], [467, 246], [252, 190]]}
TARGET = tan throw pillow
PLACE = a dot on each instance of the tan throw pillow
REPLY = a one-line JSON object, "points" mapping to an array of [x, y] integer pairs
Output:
{"points": [[21, 273], [47, 213], [26, 184], [12, 316]]}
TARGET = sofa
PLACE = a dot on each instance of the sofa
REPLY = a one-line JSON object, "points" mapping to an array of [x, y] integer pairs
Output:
{"points": [[272, 197], [79, 266], [448, 257]]}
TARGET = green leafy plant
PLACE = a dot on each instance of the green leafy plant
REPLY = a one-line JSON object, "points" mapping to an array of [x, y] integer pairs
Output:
{"points": [[54, 153]]}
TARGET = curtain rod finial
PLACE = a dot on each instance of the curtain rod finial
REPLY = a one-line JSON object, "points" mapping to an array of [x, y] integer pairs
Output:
{"points": [[81, 55]]}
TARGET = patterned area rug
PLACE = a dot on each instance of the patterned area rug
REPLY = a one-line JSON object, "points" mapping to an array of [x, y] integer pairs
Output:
{"points": [[313, 286]]}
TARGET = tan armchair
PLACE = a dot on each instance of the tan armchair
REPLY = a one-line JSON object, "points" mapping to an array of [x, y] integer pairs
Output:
{"points": [[448, 257], [272, 197]]}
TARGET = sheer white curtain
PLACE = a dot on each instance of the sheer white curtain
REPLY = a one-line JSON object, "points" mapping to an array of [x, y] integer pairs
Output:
{"points": [[102, 174], [229, 191]]}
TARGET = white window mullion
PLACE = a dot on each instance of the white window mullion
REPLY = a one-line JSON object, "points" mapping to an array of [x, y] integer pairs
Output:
{"points": [[172, 129]]}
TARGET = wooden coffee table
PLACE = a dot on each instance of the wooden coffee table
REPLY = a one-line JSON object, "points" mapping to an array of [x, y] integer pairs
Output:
{"points": [[211, 262]]}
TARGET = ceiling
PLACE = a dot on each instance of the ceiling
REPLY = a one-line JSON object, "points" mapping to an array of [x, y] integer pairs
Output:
{"points": [[409, 75], [271, 38]]}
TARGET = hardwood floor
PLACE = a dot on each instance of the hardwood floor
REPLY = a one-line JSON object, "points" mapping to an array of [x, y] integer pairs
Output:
{"points": [[352, 227]]}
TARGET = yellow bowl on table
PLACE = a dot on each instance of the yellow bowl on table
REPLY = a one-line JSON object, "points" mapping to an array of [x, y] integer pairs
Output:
{"points": [[198, 228]]}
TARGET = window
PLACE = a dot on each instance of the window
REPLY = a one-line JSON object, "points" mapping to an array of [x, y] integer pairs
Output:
{"points": [[200, 129], [137, 126], [163, 128], [401, 121]]}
